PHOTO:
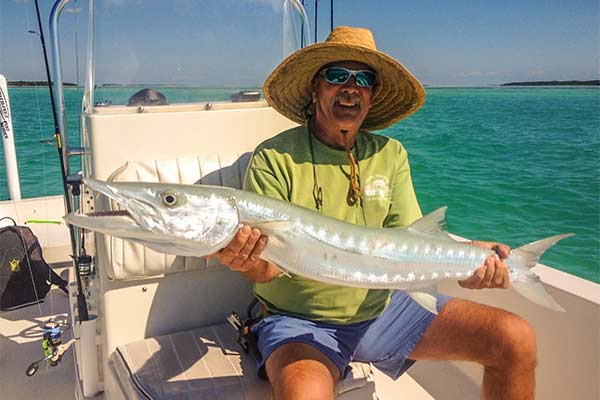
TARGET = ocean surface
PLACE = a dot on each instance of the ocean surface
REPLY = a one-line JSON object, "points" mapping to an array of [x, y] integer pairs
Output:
{"points": [[512, 164]]}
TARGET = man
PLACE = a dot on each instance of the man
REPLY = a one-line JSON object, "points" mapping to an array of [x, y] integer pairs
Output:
{"points": [[312, 329]]}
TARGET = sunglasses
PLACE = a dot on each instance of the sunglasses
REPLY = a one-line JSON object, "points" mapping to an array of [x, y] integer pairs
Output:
{"points": [[339, 76]]}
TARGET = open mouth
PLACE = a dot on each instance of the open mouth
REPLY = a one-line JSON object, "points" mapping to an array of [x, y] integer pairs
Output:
{"points": [[123, 223], [347, 103], [109, 213], [134, 205]]}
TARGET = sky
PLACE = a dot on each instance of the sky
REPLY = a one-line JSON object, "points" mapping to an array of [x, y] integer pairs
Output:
{"points": [[238, 42]]}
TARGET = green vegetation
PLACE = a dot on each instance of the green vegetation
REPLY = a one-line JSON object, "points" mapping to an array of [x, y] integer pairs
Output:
{"points": [[36, 83], [554, 83]]}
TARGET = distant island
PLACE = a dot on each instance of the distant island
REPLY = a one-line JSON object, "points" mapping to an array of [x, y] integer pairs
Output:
{"points": [[554, 83], [36, 83]]}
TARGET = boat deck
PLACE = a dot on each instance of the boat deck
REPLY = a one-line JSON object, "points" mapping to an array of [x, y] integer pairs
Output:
{"points": [[21, 344]]}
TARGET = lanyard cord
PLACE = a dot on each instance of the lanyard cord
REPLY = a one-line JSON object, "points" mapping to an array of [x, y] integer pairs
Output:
{"points": [[354, 192], [353, 197], [317, 189]]}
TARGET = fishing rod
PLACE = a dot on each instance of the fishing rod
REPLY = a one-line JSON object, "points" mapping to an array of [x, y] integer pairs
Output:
{"points": [[81, 301]]}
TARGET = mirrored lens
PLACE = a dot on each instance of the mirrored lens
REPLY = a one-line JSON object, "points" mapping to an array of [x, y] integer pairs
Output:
{"points": [[365, 78], [337, 75]]}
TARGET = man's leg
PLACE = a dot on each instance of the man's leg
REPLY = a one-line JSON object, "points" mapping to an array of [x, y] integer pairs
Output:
{"points": [[299, 371], [502, 342]]}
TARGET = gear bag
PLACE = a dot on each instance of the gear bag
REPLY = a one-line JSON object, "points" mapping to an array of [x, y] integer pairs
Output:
{"points": [[25, 277]]}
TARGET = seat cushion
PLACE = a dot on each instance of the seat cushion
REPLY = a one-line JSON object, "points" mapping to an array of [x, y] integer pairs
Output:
{"points": [[207, 363], [130, 260]]}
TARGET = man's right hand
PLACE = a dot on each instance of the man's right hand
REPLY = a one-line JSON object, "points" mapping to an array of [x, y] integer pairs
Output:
{"points": [[243, 252]]}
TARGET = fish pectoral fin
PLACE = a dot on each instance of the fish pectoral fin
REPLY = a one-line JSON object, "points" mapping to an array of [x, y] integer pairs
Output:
{"points": [[426, 300], [285, 273], [273, 226]]}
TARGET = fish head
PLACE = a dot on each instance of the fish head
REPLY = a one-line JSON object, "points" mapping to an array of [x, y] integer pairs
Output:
{"points": [[201, 219]]}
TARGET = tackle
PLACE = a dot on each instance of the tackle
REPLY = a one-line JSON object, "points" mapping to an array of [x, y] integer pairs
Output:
{"points": [[198, 220]]}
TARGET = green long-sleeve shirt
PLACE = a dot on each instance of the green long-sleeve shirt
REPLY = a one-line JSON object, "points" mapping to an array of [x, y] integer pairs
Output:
{"points": [[284, 167]]}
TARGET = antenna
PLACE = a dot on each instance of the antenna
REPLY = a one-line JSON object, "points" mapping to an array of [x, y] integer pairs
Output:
{"points": [[302, 31], [331, 14], [316, 22]]}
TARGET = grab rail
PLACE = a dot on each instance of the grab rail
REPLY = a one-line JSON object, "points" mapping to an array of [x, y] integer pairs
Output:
{"points": [[59, 99], [300, 8], [59, 102]]}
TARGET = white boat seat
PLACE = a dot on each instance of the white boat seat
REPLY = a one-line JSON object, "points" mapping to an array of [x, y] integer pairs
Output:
{"points": [[134, 261], [207, 364]]}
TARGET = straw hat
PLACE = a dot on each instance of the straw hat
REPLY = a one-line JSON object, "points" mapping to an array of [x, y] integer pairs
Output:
{"points": [[397, 94]]}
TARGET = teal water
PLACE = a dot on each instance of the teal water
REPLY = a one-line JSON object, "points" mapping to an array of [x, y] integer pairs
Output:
{"points": [[512, 164]]}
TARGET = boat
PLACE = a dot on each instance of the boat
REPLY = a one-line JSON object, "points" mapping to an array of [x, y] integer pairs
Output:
{"points": [[156, 325]]}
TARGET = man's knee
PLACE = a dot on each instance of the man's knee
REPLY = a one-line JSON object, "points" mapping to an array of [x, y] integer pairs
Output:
{"points": [[300, 371], [517, 342]]}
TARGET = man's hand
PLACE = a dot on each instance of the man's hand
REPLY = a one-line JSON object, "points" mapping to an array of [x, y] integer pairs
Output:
{"points": [[243, 252], [494, 272]]}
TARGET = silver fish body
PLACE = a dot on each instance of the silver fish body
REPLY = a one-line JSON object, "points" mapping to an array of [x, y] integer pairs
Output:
{"points": [[198, 220]]}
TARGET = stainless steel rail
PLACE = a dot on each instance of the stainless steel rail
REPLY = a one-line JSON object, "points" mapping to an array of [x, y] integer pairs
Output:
{"points": [[59, 102], [300, 8]]}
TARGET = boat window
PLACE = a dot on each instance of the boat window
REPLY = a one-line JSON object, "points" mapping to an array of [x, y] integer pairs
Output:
{"points": [[156, 52]]}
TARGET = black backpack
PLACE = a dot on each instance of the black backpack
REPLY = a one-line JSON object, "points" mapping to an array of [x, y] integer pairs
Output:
{"points": [[25, 277]]}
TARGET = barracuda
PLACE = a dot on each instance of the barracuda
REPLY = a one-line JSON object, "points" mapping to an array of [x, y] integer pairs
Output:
{"points": [[198, 220]]}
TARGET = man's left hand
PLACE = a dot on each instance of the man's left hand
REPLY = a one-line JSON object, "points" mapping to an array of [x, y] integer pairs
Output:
{"points": [[494, 272]]}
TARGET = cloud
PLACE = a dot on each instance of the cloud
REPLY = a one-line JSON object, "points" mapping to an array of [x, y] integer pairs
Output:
{"points": [[73, 10]]}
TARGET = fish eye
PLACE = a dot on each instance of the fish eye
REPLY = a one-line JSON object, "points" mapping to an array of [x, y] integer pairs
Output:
{"points": [[169, 199]]}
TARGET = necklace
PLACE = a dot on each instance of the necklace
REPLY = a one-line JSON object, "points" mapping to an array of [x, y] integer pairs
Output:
{"points": [[353, 197], [317, 189]]}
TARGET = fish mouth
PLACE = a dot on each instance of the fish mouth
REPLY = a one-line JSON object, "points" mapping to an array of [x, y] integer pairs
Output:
{"points": [[134, 204], [126, 223]]}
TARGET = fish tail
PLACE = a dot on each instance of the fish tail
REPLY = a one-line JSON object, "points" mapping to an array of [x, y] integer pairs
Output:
{"points": [[533, 290], [526, 257]]}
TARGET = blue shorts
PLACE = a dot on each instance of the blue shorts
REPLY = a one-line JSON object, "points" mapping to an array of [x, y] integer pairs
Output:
{"points": [[385, 341]]}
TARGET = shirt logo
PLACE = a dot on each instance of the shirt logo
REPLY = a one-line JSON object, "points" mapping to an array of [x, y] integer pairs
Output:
{"points": [[376, 187], [14, 265]]}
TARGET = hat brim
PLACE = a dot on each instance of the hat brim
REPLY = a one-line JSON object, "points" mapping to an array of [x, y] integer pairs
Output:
{"points": [[397, 95]]}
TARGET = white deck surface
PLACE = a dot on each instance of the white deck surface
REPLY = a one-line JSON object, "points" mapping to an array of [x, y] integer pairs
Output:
{"points": [[21, 344]]}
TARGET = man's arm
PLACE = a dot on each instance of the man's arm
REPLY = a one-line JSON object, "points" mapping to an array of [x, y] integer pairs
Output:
{"points": [[405, 210], [242, 254], [494, 272]]}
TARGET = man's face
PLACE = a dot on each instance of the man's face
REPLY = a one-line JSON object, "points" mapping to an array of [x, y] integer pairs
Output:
{"points": [[341, 107]]}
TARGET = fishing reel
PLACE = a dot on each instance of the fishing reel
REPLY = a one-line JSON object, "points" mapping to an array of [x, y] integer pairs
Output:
{"points": [[52, 345]]}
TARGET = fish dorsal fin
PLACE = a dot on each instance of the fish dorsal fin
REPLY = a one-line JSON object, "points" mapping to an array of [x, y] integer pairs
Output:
{"points": [[432, 223]]}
